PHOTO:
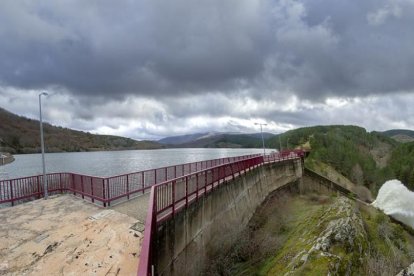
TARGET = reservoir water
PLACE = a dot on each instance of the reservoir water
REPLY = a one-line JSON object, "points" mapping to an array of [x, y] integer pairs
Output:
{"points": [[109, 163]]}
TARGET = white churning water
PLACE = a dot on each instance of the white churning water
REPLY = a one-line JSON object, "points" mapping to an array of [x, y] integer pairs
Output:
{"points": [[397, 201]]}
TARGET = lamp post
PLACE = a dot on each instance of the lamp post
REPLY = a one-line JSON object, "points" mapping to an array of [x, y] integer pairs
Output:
{"points": [[42, 144], [261, 131], [287, 143], [280, 144]]}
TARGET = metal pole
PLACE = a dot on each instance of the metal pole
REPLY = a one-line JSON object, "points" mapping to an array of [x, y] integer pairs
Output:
{"points": [[287, 143], [261, 131], [280, 144], [43, 146]]}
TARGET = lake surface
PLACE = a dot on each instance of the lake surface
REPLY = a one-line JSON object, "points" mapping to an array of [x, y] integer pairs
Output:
{"points": [[109, 163]]}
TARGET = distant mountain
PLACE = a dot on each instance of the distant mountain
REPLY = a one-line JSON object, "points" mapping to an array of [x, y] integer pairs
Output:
{"points": [[21, 135], [266, 135], [393, 132], [225, 141], [400, 135], [181, 139], [216, 140]]}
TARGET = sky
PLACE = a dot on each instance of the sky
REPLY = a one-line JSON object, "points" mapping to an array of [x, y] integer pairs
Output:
{"points": [[147, 69]]}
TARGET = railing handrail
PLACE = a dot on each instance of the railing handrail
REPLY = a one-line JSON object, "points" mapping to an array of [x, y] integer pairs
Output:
{"points": [[86, 185], [118, 175], [112, 186], [183, 164], [145, 255], [144, 267], [53, 173]]}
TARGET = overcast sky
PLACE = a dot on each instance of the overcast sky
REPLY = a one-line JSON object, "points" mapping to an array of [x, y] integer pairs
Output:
{"points": [[152, 68]]}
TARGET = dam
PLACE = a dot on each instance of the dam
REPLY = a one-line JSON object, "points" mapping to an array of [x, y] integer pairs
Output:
{"points": [[194, 210]]}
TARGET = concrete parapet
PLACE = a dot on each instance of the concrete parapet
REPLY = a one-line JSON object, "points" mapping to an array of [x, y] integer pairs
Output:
{"points": [[185, 243], [314, 182]]}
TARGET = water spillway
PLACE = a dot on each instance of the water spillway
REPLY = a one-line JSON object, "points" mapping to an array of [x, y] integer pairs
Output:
{"points": [[396, 200]]}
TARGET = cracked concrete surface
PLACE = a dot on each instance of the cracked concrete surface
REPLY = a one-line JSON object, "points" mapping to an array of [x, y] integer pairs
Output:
{"points": [[65, 235]]}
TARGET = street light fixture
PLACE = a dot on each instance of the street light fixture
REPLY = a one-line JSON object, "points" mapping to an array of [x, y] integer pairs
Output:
{"points": [[261, 131], [42, 145]]}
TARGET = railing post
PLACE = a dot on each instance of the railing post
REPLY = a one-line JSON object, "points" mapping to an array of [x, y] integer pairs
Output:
{"points": [[173, 197], [196, 175], [186, 191], [127, 186], [60, 183], [93, 197], [82, 190], [73, 184], [155, 202], [153, 230], [107, 192], [103, 192], [38, 187], [143, 184], [166, 174], [205, 182], [11, 192]]}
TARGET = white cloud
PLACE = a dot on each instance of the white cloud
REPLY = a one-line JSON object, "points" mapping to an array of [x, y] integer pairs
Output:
{"points": [[148, 69]]}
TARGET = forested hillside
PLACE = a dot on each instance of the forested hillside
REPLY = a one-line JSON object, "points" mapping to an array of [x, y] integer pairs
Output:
{"points": [[402, 164], [366, 158], [21, 135], [225, 141]]}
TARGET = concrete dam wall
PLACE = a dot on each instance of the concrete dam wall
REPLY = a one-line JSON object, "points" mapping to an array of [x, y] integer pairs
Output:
{"points": [[185, 243]]}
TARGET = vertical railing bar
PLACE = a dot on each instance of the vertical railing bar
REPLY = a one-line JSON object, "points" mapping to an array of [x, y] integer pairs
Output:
{"points": [[38, 187], [127, 186], [103, 191], [107, 192], [143, 182], [173, 196], [11, 192], [196, 186], [186, 191], [93, 196]]}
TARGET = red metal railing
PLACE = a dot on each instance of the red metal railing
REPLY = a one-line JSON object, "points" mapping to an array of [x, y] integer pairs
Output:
{"points": [[171, 196], [284, 155], [128, 184], [103, 190], [31, 187]]}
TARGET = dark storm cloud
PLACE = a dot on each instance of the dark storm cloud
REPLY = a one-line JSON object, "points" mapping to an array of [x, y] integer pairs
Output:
{"points": [[313, 49], [131, 47]]}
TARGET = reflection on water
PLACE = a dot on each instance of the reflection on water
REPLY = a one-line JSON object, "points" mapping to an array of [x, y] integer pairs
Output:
{"points": [[108, 163]]}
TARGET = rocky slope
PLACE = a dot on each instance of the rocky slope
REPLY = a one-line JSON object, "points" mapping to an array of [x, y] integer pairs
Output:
{"points": [[318, 235]]}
